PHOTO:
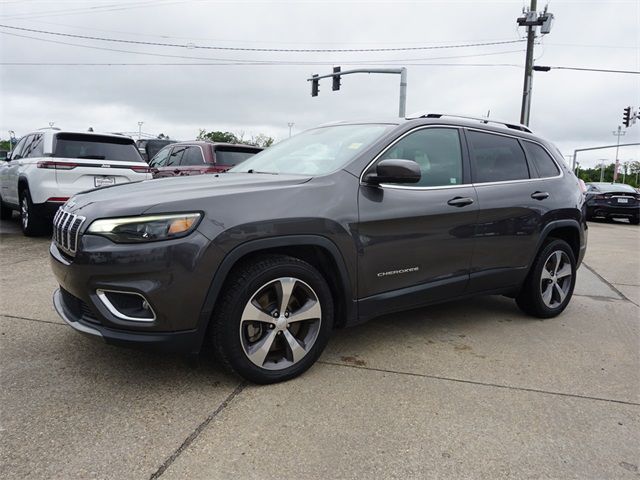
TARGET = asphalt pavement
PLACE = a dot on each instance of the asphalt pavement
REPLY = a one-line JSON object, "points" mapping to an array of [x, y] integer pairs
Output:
{"points": [[471, 389]]}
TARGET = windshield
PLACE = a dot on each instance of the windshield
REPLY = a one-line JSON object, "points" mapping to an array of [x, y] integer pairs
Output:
{"points": [[315, 152], [96, 147]]}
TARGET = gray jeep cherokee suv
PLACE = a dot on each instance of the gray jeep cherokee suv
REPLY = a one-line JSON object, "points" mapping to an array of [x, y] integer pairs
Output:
{"points": [[327, 229]]}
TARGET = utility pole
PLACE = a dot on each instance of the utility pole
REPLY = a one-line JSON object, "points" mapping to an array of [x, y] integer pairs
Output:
{"points": [[337, 73], [290, 125], [602, 169], [619, 133], [531, 20], [140, 130]]}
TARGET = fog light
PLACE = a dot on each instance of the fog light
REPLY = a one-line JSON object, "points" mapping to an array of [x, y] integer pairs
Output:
{"points": [[130, 306]]}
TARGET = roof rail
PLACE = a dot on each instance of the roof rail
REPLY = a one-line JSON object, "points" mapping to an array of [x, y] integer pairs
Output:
{"points": [[514, 126]]}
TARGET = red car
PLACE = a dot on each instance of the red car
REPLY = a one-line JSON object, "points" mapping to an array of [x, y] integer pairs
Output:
{"points": [[195, 158]]}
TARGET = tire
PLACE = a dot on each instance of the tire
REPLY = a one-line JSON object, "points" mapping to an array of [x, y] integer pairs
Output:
{"points": [[6, 212], [634, 221], [290, 344], [534, 298], [31, 223]]}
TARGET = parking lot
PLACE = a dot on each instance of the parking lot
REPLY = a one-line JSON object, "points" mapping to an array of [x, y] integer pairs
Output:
{"points": [[467, 390]]}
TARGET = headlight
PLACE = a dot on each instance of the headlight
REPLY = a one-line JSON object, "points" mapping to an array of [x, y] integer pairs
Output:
{"points": [[145, 228]]}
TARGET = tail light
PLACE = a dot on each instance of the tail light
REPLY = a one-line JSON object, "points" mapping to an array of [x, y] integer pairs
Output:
{"points": [[56, 165], [141, 169], [583, 186]]}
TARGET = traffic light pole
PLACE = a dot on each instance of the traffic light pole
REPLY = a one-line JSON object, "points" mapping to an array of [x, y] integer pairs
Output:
{"points": [[617, 145], [402, 108]]}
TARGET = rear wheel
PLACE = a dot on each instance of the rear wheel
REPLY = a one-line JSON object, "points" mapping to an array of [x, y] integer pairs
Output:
{"points": [[273, 319], [31, 222], [549, 286]]}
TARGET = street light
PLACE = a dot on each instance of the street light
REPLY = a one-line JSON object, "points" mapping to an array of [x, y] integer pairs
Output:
{"points": [[140, 130], [290, 124]]}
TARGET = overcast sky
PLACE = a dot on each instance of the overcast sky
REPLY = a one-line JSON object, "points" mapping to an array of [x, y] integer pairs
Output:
{"points": [[571, 108]]}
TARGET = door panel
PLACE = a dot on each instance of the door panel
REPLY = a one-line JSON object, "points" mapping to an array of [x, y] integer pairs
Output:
{"points": [[509, 219], [409, 237], [416, 240]]}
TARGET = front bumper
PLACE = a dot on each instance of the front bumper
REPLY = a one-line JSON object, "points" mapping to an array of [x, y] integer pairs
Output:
{"points": [[180, 342], [172, 276]]}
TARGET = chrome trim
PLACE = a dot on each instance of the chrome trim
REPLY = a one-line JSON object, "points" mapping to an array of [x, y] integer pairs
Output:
{"points": [[63, 223], [80, 327], [406, 187], [101, 293]]}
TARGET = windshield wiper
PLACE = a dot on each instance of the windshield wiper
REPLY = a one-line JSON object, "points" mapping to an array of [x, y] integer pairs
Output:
{"points": [[251, 170]]}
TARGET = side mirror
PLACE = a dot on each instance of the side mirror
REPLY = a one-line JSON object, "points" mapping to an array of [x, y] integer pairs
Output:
{"points": [[394, 171], [8, 157]]}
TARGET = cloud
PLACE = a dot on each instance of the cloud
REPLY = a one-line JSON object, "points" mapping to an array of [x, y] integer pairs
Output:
{"points": [[573, 109]]}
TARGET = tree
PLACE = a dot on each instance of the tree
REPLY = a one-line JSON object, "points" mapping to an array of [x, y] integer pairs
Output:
{"points": [[260, 140], [218, 136]]}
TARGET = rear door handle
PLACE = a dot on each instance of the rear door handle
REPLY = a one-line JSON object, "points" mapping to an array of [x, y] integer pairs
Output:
{"points": [[460, 201], [539, 195]]}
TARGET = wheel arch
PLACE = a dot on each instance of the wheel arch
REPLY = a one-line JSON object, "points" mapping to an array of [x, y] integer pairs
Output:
{"points": [[316, 250], [23, 184], [568, 230]]}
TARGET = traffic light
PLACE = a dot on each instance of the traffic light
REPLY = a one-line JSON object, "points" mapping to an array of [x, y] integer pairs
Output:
{"points": [[336, 79], [626, 117], [314, 85]]}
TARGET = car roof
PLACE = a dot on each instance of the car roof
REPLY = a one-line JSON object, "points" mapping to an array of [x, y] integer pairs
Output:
{"points": [[50, 132], [207, 142], [426, 118]]}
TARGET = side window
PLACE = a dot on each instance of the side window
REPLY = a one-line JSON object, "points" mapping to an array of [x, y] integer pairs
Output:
{"points": [[176, 156], [35, 148], [17, 151], [497, 158], [437, 151], [192, 157], [160, 159], [545, 165]]}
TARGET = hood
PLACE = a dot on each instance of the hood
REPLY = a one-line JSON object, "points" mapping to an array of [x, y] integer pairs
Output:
{"points": [[137, 197]]}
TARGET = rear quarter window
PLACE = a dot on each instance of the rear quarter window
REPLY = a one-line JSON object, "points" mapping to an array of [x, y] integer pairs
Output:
{"points": [[95, 147], [542, 161]]}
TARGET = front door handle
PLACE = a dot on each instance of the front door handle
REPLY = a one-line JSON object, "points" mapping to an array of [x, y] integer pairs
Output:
{"points": [[539, 195], [460, 201]]}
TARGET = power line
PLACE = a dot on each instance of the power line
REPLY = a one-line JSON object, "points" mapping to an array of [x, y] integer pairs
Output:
{"points": [[93, 9], [604, 70], [127, 64], [250, 49], [231, 61]]}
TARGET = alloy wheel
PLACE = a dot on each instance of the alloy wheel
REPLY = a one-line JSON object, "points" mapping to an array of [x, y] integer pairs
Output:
{"points": [[555, 280], [24, 212], [280, 323]]}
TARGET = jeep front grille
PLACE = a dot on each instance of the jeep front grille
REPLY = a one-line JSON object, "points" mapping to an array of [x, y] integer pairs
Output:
{"points": [[65, 231]]}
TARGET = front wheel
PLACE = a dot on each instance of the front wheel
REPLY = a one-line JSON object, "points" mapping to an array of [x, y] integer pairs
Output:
{"points": [[273, 319], [549, 285]]}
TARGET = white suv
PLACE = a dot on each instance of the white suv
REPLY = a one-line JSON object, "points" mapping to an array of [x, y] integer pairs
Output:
{"points": [[48, 166]]}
